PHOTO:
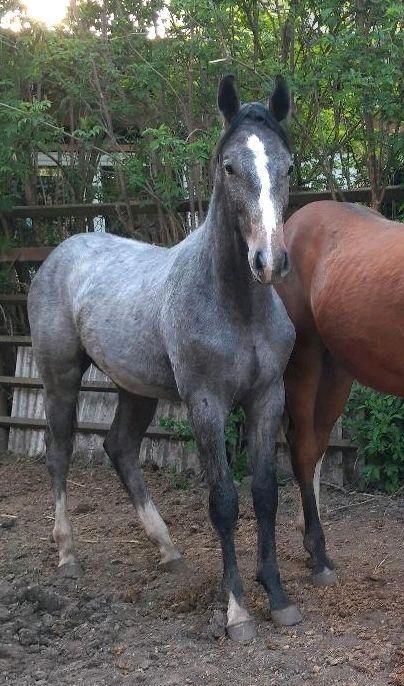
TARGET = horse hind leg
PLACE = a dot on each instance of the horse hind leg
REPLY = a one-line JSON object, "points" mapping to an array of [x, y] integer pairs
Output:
{"points": [[122, 444], [300, 523], [315, 402], [302, 381], [60, 407]]}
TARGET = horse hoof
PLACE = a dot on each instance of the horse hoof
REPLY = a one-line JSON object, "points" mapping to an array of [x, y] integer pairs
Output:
{"points": [[287, 616], [70, 570], [243, 631], [175, 566], [327, 577]]}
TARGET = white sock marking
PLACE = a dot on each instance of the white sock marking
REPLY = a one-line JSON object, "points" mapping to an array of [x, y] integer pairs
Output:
{"points": [[157, 531], [63, 532], [235, 613]]}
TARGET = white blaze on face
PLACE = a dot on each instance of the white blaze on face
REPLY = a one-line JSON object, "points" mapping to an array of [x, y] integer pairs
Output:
{"points": [[268, 217]]}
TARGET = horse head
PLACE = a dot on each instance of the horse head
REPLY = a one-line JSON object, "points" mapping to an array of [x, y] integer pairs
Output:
{"points": [[254, 162]]}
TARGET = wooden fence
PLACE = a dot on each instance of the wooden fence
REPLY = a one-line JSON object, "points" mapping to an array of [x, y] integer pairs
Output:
{"points": [[20, 433], [15, 382], [163, 447], [297, 198]]}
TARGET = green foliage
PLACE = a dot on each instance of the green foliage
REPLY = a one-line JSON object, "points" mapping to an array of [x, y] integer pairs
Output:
{"points": [[240, 465], [178, 481], [6, 281], [235, 445], [233, 439], [181, 429], [376, 424], [7, 278], [344, 63]]}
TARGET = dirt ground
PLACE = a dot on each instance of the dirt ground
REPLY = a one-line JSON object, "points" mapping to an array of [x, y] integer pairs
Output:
{"points": [[125, 622]]}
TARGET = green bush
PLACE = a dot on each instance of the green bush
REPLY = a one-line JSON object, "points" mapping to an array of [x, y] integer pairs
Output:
{"points": [[178, 481], [376, 425], [234, 431]]}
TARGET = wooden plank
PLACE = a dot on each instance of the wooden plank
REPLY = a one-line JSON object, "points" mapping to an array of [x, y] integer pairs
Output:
{"points": [[152, 432], [30, 254], [26, 254], [82, 210], [31, 382], [3, 409], [13, 298], [82, 427], [97, 386], [15, 340], [297, 198]]}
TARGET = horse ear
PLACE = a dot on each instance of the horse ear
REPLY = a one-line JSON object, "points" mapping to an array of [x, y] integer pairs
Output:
{"points": [[227, 98], [279, 102]]}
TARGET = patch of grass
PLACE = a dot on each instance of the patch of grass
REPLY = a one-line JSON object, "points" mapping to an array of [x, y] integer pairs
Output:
{"points": [[234, 432], [178, 480]]}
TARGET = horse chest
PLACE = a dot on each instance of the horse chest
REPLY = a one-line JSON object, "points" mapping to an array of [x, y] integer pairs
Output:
{"points": [[260, 361], [228, 357]]}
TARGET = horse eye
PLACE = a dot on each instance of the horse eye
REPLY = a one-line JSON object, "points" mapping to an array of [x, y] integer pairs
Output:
{"points": [[290, 170], [228, 169]]}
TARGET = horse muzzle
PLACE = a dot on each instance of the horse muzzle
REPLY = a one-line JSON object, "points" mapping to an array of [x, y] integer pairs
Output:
{"points": [[269, 269]]}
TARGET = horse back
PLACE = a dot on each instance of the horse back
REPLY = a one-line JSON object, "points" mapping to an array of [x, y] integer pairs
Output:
{"points": [[325, 238], [348, 288]]}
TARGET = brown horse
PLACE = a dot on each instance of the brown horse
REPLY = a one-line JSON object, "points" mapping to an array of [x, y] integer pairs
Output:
{"points": [[345, 296]]}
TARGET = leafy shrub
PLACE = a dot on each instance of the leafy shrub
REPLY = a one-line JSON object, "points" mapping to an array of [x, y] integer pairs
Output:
{"points": [[178, 481], [234, 430], [234, 439], [376, 424], [181, 429]]}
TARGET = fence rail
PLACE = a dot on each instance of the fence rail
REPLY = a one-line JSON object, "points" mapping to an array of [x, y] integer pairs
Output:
{"points": [[15, 340], [81, 427], [32, 382], [297, 198], [32, 254], [7, 381]]}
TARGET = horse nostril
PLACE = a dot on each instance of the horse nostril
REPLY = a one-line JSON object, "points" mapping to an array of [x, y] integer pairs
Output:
{"points": [[285, 263], [260, 260]]}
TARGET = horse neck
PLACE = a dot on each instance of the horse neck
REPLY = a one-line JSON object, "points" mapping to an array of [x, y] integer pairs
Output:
{"points": [[228, 253]]}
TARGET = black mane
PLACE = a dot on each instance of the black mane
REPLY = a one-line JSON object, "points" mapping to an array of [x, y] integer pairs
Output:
{"points": [[253, 112]]}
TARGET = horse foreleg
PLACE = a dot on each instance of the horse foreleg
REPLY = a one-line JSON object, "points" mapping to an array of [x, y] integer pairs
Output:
{"points": [[207, 416], [132, 417], [263, 418]]}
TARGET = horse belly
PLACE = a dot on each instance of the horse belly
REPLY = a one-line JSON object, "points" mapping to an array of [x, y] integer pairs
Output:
{"points": [[362, 324], [377, 361], [138, 386], [137, 363], [139, 381]]}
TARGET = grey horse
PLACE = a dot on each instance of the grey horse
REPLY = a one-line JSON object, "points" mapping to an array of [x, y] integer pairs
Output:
{"points": [[193, 322]]}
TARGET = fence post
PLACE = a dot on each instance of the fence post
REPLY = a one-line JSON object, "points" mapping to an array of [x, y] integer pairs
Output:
{"points": [[3, 410]]}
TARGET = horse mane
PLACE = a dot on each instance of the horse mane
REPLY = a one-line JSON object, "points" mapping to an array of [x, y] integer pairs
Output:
{"points": [[253, 112]]}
